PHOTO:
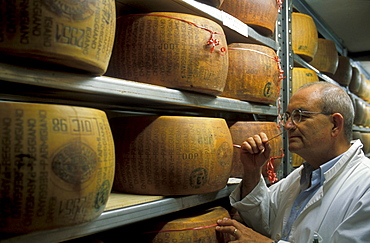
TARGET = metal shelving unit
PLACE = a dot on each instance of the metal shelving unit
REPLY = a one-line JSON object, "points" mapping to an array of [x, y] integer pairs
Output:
{"points": [[321, 26], [121, 217], [32, 84], [20, 83], [327, 33]]}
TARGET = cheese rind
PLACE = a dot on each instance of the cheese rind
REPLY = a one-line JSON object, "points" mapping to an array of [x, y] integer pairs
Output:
{"points": [[57, 165], [260, 14], [173, 50], [304, 36], [199, 227], [77, 34], [171, 155], [254, 73]]}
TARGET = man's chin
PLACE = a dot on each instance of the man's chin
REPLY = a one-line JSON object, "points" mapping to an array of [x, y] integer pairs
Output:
{"points": [[294, 148]]}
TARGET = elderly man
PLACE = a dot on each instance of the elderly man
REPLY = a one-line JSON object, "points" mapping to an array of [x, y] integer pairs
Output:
{"points": [[327, 199]]}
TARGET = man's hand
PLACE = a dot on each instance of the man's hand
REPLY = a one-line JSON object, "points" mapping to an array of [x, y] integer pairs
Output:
{"points": [[240, 232], [254, 153]]}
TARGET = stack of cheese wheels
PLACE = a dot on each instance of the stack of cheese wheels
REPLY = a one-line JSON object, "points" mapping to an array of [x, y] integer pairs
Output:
{"points": [[78, 34], [241, 130], [326, 56], [254, 73], [57, 165], [174, 50], [171, 155], [301, 76], [343, 74], [355, 83], [214, 3], [198, 227], [259, 14], [304, 36]]}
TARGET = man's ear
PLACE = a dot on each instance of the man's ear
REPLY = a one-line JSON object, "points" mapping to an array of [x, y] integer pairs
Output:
{"points": [[338, 123]]}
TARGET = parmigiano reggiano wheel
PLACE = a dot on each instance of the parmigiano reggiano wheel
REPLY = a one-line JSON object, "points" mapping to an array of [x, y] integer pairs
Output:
{"points": [[174, 50], [365, 138], [57, 165], [254, 73], [366, 117], [304, 36], [241, 130], [360, 112], [259, 14], [326, 56], [356, 135], [301, 76], [170, 155], [78, 34], [364, 89], [199, 227], [343, 74], [355, 83]]}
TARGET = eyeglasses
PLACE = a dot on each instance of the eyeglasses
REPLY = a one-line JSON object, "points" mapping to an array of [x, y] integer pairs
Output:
{"points": [[298, 116]]}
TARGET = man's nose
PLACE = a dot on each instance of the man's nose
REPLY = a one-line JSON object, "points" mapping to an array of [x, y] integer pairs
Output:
{"points": [[289, 124]]}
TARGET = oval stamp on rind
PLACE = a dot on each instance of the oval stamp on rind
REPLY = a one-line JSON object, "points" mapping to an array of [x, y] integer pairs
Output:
{"points": [[267, 91], [74, 163], [71, 9], [224, 154], [198, 177]]}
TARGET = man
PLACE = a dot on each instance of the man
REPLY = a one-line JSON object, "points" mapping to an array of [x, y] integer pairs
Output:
{"points": [[327, 199]]}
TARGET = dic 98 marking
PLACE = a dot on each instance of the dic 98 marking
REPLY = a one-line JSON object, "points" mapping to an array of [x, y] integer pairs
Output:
{"points": [[81, 125], [75, 125]]}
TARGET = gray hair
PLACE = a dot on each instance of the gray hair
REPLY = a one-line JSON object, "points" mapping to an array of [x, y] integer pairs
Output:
{"points": [[334, 99]]}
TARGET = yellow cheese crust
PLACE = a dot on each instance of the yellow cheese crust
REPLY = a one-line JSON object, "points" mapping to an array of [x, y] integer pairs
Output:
{"points": [[57, 165], [170, 155]]}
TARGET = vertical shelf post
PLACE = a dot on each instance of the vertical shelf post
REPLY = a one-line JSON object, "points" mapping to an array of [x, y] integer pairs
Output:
{"points": [[286, 57]]}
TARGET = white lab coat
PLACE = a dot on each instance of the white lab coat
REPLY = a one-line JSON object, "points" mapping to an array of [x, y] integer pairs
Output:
{"points": [[339, 211]]}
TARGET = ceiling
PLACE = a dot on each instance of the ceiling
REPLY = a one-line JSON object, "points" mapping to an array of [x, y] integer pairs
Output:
{"points": [[349, 20]]}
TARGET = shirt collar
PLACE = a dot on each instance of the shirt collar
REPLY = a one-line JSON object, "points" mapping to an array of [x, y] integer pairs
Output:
{"points": [[311, 177]]}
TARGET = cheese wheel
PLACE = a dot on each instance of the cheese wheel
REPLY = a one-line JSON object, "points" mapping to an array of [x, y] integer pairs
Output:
{"points": [[356, 135], [304, 36], [77, 34], [241, 130], [343, 74], [174, 50], [364, 89], [355, 83], [365, 139], [169, 155], [198, 227], [254, 73], [57, 165], [326, 56], [301, 76], [360, 113], [259, 14], [367, 115]]}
